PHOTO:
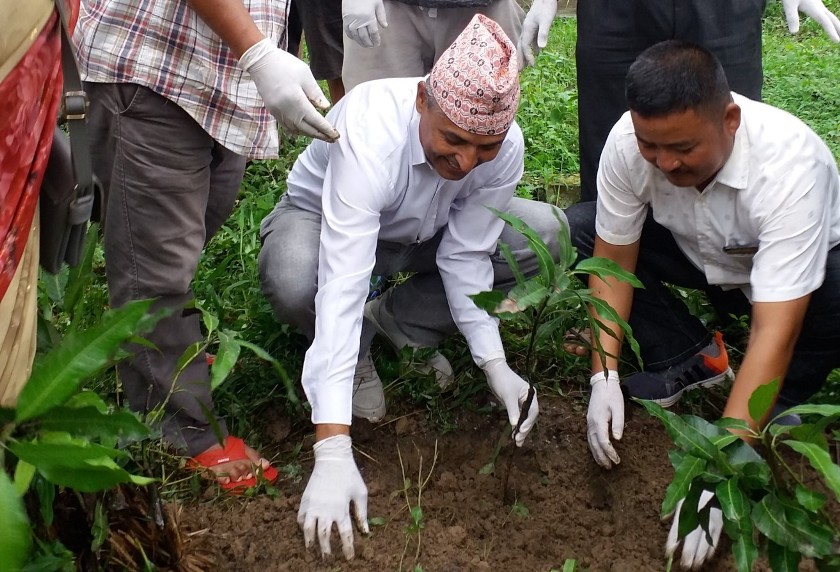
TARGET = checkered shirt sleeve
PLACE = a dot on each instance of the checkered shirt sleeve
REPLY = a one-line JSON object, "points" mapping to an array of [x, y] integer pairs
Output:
{"points": [[165, 46]]}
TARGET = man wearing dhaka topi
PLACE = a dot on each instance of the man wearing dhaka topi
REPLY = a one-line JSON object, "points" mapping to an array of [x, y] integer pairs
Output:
{"points": [[406, 188]]}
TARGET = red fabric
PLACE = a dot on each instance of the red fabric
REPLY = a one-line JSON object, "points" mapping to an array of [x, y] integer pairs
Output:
{"points": [[29, 98]]}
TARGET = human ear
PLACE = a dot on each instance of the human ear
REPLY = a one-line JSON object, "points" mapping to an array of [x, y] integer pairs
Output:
{"points": [[731, 118]]}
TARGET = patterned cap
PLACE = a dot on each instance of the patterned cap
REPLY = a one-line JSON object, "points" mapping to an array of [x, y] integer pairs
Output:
{"points": [[476, 80]]}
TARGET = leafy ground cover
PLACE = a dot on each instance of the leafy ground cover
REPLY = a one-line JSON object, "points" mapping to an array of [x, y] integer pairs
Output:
{"points": [[436, 496]]}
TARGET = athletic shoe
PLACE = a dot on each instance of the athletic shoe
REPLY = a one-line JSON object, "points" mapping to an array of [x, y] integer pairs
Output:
{"points": [[368, 393], [707, 368]]}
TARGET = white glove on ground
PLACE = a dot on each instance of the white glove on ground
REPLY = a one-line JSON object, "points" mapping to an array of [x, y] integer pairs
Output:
{"points": [[535, 28], [696, 548], [606, 408], [334, 484], [362, 19], [816, 10], [512, 391], [288, 90]]}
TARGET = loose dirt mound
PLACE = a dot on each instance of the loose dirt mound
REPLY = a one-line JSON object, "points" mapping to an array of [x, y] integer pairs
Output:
{"points": [[565, 506]]}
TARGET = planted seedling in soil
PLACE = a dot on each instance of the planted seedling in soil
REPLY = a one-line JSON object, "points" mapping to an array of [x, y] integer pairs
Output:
{"points": [[551, 299], [769, 503]]}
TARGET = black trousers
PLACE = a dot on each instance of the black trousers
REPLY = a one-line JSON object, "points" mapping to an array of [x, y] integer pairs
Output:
{"points": [[611, 34], [668, 333]]}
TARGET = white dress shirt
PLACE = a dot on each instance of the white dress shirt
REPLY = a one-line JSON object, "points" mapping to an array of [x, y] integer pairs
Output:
{"points": [[374, 184], [764, 224]]}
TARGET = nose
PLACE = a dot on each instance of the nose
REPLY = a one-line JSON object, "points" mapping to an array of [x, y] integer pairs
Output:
{"points": [[467, 158], [667, 161]]}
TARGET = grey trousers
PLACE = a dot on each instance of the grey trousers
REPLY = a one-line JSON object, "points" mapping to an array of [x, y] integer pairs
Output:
{"points": [[416, 37], [418, 307], [169, 187]]}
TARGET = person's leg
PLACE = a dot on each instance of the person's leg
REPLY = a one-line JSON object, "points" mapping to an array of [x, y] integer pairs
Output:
{"points": [[450, 22], [417, 311], [817, 351], [398, 55], [610, 37], [323, 31], [154, 234], [731, 30], [288, 263]]}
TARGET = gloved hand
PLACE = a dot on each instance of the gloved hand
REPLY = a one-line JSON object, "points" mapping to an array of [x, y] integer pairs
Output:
{"points": [[511, 390], [606, 407], [816, 10], [362, 19], [696, 548], [288, 90], [535, 28], [334, 484]]}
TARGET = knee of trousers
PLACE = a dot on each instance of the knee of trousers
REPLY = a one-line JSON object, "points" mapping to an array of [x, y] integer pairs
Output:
{"points": [[289, 288], [581, 221]]}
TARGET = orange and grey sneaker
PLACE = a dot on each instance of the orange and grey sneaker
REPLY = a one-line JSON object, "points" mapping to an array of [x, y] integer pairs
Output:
{"points": [[706, 368]]}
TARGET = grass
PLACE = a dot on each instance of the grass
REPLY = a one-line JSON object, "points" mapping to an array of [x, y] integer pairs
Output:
{"points": [[800, 76]]}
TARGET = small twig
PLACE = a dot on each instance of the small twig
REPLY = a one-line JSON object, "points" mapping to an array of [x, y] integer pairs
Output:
{"points": [[523, 415]]}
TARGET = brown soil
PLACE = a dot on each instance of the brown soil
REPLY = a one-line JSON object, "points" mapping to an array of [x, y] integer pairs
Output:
{"points": [[566, 507]]}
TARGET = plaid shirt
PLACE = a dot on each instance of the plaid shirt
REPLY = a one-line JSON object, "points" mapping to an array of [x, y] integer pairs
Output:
{"points": [[165, 46]]}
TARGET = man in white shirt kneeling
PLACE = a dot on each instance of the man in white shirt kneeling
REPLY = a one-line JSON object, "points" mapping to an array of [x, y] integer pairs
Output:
{"points": [[703, 188], [406, 188]]}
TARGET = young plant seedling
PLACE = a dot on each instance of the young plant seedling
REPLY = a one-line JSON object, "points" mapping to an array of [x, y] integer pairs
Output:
{"points": [[548, 300], [767, 504]]}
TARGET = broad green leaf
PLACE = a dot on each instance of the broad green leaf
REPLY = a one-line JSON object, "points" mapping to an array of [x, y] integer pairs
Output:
{"points": [[512, 263], [830, 564], [606, 311], [684, 474], [547, 328], [603, 268], [810, 500], [89, 479], [822, 409], [682, 434], [45, 491], [190, 353], [689, 518], [781, 558], [79, 356], [89, 422], [821, 461], [226, 357], [65, 456], [24, 473], [814, 538], [744, 551], [544, 259], [768, 515], [14, 539], [734, 504], [528, 294], [813, 432], [734, 424], [210, 321], [718, 436], [87, 399], [568, 253], [488, 301], [762, 399]]}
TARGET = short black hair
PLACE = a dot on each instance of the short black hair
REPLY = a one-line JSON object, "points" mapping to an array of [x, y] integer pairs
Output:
{"points": [[674, 76]]}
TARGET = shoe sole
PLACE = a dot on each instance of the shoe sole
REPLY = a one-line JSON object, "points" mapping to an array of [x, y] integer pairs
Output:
{"points": [[667, 402]]}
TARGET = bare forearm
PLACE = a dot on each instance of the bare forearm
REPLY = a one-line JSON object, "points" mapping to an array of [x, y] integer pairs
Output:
{"points": [[231, 21], [618, 294]]}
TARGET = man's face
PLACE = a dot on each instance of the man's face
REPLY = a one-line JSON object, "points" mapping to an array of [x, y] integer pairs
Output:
{"points": [[688, 147], [452, 151]]}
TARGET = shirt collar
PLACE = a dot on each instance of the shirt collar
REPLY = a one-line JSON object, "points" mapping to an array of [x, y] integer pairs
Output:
{"points": [[735, 172]]}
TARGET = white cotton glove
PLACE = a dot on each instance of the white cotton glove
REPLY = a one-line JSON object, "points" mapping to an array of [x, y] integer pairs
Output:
{"points": [[512, 391], [696, 547], [288, 90], [334, 484], [816, 10], [535, 28], [606, 410], [362, 19]]}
